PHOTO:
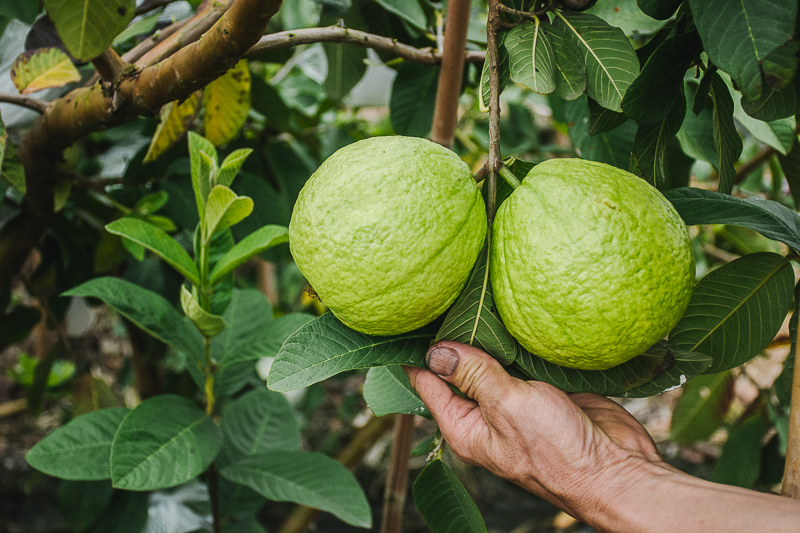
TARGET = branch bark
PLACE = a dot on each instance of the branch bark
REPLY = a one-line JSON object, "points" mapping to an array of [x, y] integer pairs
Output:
{"points": [[91, 109], [394, 497], [445, 113], [110, 67], [338, 34], [39, 106]]}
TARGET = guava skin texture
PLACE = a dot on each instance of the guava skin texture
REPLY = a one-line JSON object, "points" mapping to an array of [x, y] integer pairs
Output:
{"points": [[590, 264], [386, 231]]}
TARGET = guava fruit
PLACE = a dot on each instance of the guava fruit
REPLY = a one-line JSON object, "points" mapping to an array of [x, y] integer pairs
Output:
{"points": [[590, 264], [386, 231]]}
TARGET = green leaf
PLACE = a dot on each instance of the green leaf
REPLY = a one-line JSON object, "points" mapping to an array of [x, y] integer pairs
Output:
{"points": [[688, 365], [611, 63], [126, 514], [773, 104], [701, 408], [778, 134], [602, 119], [324, 347], [658, 88], [148, 310], [738, 36], [346, 67], [612, 147], [165, 441], [618, 380], [88, 27], [151, 203], [790, 165], [771, 219], [200, 177], [780, 66], [531, 57], [43, 68], [208, 324], [659, 9], [231, 165], [473, 319], [80, 449], [258, 422], [140, 27], [175, 120], [307, 478], [444, 502], [387, 391], [408, 10], [736, 310], [158, 242], [226, 101], [252, 333], [503, 73], [413, 99], [784, 382], [570, 69], [697, 133], [726, 138], [649, 157], [740, 462], [82, 502], [24, 10], [262, 239], [223, 210]]}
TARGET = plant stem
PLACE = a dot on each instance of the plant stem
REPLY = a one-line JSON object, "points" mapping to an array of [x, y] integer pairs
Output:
{"points": [[791, 473], [445, 113], [492, 26], [25, 101], [213, 494], [208, 374], [394, 500], [509, 176]]}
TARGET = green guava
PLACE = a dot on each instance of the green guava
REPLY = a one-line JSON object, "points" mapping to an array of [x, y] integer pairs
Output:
{"points": [[590, 264], [386, 231]]}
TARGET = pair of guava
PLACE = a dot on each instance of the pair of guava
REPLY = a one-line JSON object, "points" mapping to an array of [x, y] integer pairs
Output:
{"points": [[590, 265]]}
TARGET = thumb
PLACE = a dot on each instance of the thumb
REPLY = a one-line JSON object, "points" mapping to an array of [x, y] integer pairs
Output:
{"points": [[470, 370]]}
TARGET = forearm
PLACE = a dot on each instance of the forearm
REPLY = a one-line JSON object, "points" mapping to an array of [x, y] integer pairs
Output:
{"points": [[659, 499]]}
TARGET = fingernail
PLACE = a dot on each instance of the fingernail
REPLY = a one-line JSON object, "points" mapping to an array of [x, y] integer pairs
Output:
{"points": [[442, 361]]}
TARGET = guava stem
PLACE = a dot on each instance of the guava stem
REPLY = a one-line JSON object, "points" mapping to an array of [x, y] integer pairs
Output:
{"points": [[509, 176]]}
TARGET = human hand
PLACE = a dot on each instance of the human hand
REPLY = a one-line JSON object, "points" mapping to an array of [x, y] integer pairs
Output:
{"points": [[571, 449]]}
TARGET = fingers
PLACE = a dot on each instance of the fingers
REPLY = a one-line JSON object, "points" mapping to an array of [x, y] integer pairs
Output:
{"points": [[471, 370]]}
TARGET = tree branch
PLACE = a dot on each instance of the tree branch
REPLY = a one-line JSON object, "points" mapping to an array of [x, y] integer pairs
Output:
{"points": [[445, 113], [110, 67], [394, 496], [494, 162], [86, 110], [39, 106], [337, 34]]}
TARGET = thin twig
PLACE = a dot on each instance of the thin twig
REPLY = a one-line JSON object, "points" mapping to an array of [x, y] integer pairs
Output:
{"points": [[33, 104], [525, 14], [110, 67], [213, 492], [338, 34], [791, 473]]}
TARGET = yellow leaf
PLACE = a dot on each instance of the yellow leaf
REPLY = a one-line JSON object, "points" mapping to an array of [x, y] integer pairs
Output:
{"points": [[226, 102], [43, 68], [175, 120]]}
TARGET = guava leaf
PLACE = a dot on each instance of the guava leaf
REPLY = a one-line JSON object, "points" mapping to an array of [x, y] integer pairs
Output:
{"points": [[79, 449], [208, 324], [413, 99], [649, 156], [223, 210], [43, 68], [165, 441], [474, 319], [611, 63], [226, 101], [176, 118], [736, 310], [740, 462], [231, 165], [158, 242], [199, 145], [726, 138], [88, 27], [531, 57], [768, 217], [602, 119], [387, 391], [773, 104], [324, 347], [618, 380], [255, 243], [444, 503], [570, 70], [784, 381], [659, 9], [701, 408], [739, 35], [307, 478]]}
